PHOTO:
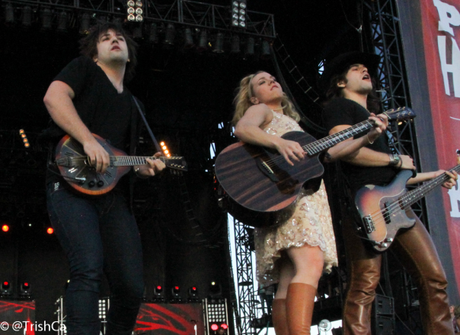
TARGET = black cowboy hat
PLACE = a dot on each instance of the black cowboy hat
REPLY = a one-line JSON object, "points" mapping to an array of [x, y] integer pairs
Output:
{"points": [[343, 61]]}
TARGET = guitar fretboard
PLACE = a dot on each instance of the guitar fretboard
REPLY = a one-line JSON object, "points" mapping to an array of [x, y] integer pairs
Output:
{"points": [[415, 195], [327, 142], [131, 160]]}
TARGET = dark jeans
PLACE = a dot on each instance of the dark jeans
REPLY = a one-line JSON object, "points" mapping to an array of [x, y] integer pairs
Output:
{"points": [[99, 235]]}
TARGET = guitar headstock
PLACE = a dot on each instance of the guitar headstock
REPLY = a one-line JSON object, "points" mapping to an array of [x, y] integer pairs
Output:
{"points": [[176, 163], [401, 113]]}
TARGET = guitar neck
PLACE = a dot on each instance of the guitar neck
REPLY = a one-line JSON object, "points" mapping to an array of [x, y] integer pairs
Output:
{"points": [[327, 142], [415, 195], [132, 160]]}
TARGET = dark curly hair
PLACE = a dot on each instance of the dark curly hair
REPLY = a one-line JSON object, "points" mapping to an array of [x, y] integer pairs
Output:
{"points": [[334, 91], [88, 45]]}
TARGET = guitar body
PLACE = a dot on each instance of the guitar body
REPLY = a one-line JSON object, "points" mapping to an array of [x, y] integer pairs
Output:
{"points": [[83, 177], [381, 212], [261, 181]]}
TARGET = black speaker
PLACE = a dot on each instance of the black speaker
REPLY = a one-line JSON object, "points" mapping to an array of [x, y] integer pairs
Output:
{"points": [[383, 315]]}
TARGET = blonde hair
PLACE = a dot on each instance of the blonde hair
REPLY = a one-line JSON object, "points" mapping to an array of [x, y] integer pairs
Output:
{"points": [[242, 100]]}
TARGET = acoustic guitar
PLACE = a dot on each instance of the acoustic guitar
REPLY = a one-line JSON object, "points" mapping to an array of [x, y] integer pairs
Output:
{"points": [[76, 168], [258, 182]]}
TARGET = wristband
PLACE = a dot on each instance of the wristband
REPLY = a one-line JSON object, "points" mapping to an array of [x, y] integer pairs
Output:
{"points": [[395, 160]]}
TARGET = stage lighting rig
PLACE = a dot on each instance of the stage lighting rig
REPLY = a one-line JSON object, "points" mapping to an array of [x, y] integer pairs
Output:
{"points": [[165, 149], [215, 290], [193, 294], [62, 22], [85, 23], [25, 291], [239, 14], [158, 295], [219, 45], [9, 13], [135, 11], [26, 16], [176, 298], [6, 289], [25, 140]]}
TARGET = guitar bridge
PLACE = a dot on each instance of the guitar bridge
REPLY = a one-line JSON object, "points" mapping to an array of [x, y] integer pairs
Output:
{"points": [[368, 224]]}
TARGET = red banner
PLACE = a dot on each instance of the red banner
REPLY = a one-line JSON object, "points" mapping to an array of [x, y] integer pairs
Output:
{"points": [[441, 36]]}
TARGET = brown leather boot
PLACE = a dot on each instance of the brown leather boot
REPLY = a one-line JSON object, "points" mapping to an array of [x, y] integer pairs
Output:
{"points": [[279, 317], [300, 301]]}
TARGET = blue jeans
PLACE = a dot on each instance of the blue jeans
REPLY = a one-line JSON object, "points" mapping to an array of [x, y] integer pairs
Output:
{"points": [[99, 235]]}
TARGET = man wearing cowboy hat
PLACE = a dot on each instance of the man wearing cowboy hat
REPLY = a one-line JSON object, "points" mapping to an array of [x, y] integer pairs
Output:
{"points": [[347, 81]]}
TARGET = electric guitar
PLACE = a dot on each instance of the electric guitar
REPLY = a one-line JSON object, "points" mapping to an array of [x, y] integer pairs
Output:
{"points": [[258, 182], [382, 209], [76, 168]]}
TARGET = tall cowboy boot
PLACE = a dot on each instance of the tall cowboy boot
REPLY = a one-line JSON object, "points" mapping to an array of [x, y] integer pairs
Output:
{"points": [[300, 301], [362, 280], [363, 277], [279, 317], [426, 269]]}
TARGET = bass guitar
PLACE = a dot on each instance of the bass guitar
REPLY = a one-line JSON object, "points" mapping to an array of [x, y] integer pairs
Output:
{"points": [[258, 182], [76, 168], [382, 209]]}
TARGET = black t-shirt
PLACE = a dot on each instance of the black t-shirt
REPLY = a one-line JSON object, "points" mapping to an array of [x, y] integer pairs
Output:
{"points": [[341, 111], [102, 109]]}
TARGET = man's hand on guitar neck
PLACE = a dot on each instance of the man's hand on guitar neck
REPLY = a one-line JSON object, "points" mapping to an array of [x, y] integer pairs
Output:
{"points": [[154, 167]]}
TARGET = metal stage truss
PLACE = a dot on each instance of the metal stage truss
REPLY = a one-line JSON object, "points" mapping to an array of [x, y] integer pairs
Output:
{"points": [[190, 14]]}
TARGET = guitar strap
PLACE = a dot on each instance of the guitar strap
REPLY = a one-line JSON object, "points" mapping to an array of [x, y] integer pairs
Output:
{"points": [[157, 146]]}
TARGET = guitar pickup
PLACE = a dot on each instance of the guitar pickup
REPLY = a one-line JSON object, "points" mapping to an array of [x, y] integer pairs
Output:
{"points": [[368, 224]]}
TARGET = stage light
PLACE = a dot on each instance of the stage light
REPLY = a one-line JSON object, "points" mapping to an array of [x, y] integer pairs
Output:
{"points": [[215, 290], [131, 10], [158, 294], [6, 289], [49, 231], [250, 46], [193, 294], [265, 49], [9, 13], [203, 43], [239, 13], [188, 39], [175, 291], [219, 46], [170, 34], [25, 290], [214, 327], [46, 19], [62, 22], [235, 44], [26, 16], [85, 24], [5, 227], [23, 135], [165, 149], [153, 35]]}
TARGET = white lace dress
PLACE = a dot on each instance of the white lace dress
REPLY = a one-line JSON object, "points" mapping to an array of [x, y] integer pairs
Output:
{"points": [[310, 224]]}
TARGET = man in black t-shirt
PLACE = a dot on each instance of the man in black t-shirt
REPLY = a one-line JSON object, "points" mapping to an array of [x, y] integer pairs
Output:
{"points": [[98, 233], [350, 91]]}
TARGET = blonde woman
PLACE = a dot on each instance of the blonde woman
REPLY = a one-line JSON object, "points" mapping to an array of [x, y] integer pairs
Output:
{"points": [[295, 253]]}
